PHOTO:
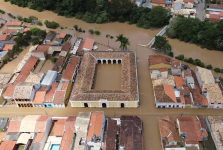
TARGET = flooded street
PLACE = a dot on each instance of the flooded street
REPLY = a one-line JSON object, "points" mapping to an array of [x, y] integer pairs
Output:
{"points": [[147, 110], [107, 77]]}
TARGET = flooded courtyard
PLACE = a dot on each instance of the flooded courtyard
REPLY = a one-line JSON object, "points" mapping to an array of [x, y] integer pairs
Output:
{"points": [[107, 77]]}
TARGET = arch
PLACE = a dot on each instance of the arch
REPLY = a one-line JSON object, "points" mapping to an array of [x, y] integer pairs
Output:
{"points": [[99, 61], [109, 61], [114, 61], [104, 105], [104, 61], [85, 105], [119, 61], [122, 105]]}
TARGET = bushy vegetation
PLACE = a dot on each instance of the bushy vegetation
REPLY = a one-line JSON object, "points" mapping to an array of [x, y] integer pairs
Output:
{"points": [[51, 24], [101, 11], [206, 34], [161, 44], [96, 32]]}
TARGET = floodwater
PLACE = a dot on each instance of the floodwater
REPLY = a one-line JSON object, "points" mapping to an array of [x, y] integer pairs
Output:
{"points": [[107, 77], [215, 58], [147, 111]]}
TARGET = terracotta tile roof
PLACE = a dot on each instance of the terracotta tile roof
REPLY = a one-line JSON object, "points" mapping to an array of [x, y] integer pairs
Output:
{"points": [[169, 91], [8, 47], [9, 31], [215, 6], [9, 91], [71, 68], [40, 96], [27, 68], [158, 1], [66, 47], [88, 43], [14, 125], [165, 93], [58, 128], [59, 97], [41, 123], [199, 98], [58, 66], [214, 93], [158, 59], [131, 133], [4, 37], [168, 130], [179, 81], [61, 35], [8, 145], [13, 23], [96, 125], [39, 137], [42, 48], [67, 140], [50, 93], [215, 16], [112, 131], [191, 127]]}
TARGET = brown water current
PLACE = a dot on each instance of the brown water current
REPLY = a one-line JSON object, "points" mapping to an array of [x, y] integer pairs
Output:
{"points": [[146, 111]]}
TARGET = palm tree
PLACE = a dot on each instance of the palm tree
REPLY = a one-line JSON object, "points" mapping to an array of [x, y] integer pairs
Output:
{"points": [[124, 41]]}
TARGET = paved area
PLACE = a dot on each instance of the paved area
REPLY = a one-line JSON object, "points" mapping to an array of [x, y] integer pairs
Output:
{"points": [[200, 10]]}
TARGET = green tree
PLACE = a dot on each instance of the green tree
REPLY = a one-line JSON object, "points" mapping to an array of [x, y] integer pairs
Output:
{"points": [[124, 42]]}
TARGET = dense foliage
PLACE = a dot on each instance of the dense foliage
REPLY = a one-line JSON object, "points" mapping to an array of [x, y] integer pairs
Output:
{"points": [[51, 24], [206, 34], [161, 44], [101, 11]]}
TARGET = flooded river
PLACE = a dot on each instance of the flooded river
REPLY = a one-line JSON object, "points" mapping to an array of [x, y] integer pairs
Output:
{"points": [[107, 77], [146, 111]]}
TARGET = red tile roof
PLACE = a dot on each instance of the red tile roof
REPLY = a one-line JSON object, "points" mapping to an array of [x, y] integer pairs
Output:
{"points": [[39, 137], [58, 128], [4, 37], [158, 59], [9, 31], [50, 93], [112, 131], [96, 125], [8, 145], [191, 126], [27, 68], [9, 91], [88, 43], [71, 68], [8, 47], [158, 1], [59, 97], [68, 137], [61, 35], [42, 48], [41, 124], [169, 91], [14, 125], [66, 47], [179, 81], [40, 96], [14, 23]]}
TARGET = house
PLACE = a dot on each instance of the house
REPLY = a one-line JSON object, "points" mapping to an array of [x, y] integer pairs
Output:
{"points": [[41, 51], [131, 128], [214, 124], [159, 61], [159, 73], [49, 78], [48, 100], [169, 133], [111, 133], [168, 97], [204, 76], [88, 44], [40, 97], [60, 37], [179, 82], [215, 16], [9, 145], [14, 25], [8, 47], [214, 8], [60, 95], [65, 49], [23, 94], [191, 130], [71, 69], [214, 95], [5, 37], [49, 37], [54, 49]]}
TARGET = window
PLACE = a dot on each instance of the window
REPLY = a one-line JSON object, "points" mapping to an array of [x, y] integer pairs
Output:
{"points": [[85, 105], [122, 105]]}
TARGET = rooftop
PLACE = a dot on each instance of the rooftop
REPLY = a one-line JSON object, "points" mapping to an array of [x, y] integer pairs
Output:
{"points": [[214, 93], [165, 93], [23, 91], [13, 23], [83, 86], [88, 44], [205, 75]]}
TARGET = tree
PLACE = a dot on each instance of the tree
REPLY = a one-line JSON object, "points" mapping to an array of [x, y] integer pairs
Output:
{"points": [[162, 45], [124, 42]]}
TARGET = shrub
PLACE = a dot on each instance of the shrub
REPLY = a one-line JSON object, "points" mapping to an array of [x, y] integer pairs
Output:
{"points": [[97, 32], [180, 57], [51, 24], [209, 66], [218, 70]]}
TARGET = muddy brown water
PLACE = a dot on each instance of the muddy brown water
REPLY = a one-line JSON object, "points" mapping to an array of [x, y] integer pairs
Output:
{"points": [[146, 111], [107, 77]]}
